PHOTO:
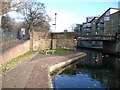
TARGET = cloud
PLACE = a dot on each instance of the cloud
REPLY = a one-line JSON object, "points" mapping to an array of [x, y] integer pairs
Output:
{"points": [[64, 20]]}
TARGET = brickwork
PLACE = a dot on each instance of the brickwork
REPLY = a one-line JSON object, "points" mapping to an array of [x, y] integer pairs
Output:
{"points": [[64, 40], [14, 52], [41, 41], [65, 43]]}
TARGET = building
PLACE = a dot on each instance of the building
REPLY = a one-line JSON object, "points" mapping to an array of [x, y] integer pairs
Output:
{"points": [[88, 19], [78, 29], [108, 24], [94, 25], [119, 4], [87, 28], [103, 24], [65, 30], [115, 23]]}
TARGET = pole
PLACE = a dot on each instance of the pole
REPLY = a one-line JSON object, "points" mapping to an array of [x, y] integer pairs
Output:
{"points": [[55, 21]]}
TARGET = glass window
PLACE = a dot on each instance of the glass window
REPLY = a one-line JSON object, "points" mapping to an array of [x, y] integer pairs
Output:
{"points": [[106, 18]]}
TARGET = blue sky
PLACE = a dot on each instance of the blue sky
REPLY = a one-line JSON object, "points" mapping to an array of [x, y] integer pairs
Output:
{"points": [[71, 12]]}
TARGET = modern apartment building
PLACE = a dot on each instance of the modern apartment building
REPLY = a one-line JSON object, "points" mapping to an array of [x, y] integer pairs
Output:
{"points": [[94, 25], [104, 22], [78, 29], [88, 19], [86, 28], [107, 24], [115, 23]]}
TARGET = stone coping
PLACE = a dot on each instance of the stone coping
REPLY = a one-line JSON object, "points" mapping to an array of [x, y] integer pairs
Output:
{"points": [[57, 67]]}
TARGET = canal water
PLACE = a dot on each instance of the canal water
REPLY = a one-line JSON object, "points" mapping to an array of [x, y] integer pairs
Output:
{"points": [[96, 70]]}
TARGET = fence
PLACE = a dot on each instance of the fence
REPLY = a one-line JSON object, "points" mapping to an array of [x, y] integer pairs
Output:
{"points": [[11, 38], [7, 39]]}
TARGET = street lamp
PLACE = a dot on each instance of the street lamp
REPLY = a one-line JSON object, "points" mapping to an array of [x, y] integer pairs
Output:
{"points": [[52, 33], [55, 20]]}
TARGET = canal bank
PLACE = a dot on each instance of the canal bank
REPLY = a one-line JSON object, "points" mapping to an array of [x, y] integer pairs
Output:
{"points": [[98, 49], [58, 67], [36, 72], [96, 70]]}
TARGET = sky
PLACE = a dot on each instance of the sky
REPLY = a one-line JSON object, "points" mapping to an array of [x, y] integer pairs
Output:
{"points": [[71, 12], [74, 12]]}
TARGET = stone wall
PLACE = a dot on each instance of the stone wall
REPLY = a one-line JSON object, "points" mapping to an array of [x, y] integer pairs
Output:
{"points": [[65, 43], [41, 40], [64, 40], [14, 52]]}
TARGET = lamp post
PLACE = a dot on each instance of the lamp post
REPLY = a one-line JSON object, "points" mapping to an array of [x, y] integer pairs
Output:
{"points": [[55, 20], [52, 43]]}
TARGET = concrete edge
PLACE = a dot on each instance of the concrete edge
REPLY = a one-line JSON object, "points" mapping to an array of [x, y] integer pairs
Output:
{"points": [[57, 67]]}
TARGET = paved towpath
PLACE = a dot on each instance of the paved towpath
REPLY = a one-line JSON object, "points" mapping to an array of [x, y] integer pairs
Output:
{"points": [[34, 73]]}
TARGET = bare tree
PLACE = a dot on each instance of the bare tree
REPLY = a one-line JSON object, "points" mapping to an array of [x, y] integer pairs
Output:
{"points": [[34, 14], [9, 24], [6, 23], [5, 6]]}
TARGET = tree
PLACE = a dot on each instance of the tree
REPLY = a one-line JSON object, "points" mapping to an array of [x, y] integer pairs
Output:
{"points": [[4, 8], [9, 24], [34, 15], [6, 23]]}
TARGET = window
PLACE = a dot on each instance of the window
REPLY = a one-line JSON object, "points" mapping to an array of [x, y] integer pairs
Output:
{"points": [[106, 18]]}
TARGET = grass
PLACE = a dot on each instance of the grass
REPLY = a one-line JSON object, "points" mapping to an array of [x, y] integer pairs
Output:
{"points": [[12, 63], [61, 51]]}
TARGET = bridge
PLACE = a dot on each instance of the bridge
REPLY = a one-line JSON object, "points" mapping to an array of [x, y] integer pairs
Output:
{"points": [[96, 38], [99, 37], [111, 44]]}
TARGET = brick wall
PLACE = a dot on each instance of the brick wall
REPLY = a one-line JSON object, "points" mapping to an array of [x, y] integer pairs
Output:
{"points": [[14, 52], [64, 40], [64, 43], [41, 41]]}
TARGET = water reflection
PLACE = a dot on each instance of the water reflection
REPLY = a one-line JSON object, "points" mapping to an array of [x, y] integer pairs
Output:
{"points": [[96, 70]]}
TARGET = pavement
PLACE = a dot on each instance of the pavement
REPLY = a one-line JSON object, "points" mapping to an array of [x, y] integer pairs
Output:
{"points": [[34, 73]]}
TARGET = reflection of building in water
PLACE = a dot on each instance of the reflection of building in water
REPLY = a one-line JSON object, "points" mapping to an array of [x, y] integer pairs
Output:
{"points": [[117, 63], [98, 59]]}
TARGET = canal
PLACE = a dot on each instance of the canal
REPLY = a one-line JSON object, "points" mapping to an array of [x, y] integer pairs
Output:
{"points": [[96, 70]]}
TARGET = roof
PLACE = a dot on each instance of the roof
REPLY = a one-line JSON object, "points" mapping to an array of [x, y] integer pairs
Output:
{"points": [[107, 11], [94, 19], [115, 13]]}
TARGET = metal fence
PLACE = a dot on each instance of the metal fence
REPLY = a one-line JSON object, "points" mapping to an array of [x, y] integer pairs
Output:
{"points": [[10, 35], [7, 39]]}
